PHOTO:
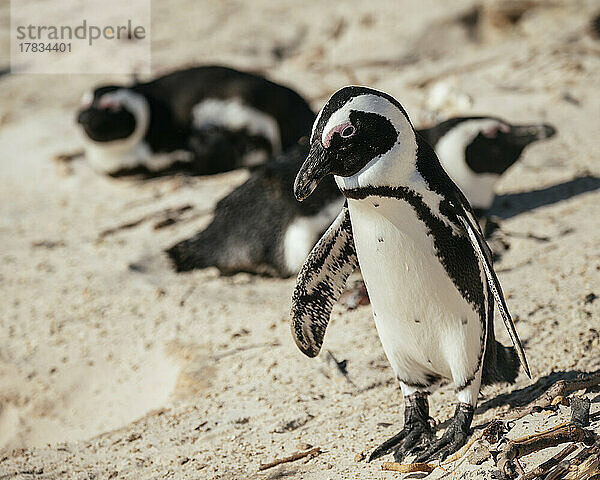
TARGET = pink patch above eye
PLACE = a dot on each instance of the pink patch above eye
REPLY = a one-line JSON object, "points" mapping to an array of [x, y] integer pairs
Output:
{"points": [[109, 104], [492, 132], [338, 129]]}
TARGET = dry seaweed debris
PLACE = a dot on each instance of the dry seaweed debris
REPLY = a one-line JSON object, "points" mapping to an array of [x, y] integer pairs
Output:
{"points": [[515, 449], [587, 460], [408, 467], [585, 465], [561, 388]]}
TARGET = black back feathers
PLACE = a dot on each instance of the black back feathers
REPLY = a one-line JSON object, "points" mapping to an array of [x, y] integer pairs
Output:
{"points": [[249, 224]]}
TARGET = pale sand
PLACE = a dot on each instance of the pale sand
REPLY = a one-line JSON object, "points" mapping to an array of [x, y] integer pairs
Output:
{"points": [[110, 373]]}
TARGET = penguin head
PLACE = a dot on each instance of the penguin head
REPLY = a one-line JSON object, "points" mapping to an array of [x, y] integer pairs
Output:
{"points": [[486, 145], [113, 114], [358, 136], [497, 145]]}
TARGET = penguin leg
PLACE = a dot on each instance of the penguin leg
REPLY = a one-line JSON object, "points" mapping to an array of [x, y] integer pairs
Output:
{"points": [[457, 433], [417, 430], [355, 296]]}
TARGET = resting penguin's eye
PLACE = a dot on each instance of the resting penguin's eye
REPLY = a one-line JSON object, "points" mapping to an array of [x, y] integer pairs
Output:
{"points": [[348, 131]]}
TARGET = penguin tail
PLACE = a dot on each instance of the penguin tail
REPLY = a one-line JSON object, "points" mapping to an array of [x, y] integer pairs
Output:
{"points": [[500, 365], [188, 255]]}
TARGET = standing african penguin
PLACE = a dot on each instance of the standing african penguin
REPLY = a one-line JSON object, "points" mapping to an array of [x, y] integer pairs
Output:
{"points": [[425, 263], [200, 121]]}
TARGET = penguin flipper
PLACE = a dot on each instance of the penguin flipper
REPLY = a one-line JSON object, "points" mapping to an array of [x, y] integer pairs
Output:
{"points": [[483, 253], [321, 282]]}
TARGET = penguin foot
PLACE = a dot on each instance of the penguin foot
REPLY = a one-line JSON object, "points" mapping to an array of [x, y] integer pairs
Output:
{"points": [[410, 441], [489, 224], [416, 434], [454, 437]]}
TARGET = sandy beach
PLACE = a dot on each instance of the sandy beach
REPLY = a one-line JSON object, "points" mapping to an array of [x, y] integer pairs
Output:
{"points": [[109, 370]]}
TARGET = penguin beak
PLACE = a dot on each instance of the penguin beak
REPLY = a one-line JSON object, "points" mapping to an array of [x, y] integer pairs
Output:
{"points": [[523, 135], [312, 171], [85, 116]]}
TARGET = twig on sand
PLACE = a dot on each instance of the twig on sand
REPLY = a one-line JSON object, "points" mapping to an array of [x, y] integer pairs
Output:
{"points": [[560, 388], [341, 367], [563, 433], [233, 351], [63, 162], [574, 431], [409, 467], [313, 452], [585, 466], [68, 156], [171, 220], [167, 214], [550, 463]]}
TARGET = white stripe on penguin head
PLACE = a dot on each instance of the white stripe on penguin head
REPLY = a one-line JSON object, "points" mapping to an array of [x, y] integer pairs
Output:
{"points": [[369, 103], [391, 168]]}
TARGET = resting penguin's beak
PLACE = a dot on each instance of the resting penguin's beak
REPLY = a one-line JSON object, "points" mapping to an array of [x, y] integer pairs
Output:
{"points": [[523, 135], [312, 171]]}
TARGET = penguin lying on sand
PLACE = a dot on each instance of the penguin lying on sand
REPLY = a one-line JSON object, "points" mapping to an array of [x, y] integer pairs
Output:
{"points": [[260, 228], [422, 255], [200, 121]]}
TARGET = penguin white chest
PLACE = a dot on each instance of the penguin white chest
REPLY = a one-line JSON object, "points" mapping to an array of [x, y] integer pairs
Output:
{"points": [[427, 328]]}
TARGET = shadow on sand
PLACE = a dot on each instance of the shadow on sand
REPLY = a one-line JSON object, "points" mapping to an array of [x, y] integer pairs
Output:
{"points": [[512, 204], [526, 395]]}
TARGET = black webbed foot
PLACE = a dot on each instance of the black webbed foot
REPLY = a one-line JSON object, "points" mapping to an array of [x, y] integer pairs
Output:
{"points": [[415, 435], [454, 437]]}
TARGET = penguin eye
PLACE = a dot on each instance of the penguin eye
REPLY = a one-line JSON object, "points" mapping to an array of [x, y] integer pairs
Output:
{"points": [[344, 130], [348, 131]]}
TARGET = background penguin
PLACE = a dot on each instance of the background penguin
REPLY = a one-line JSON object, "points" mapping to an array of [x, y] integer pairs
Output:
{"points": [[259, 227], [476, 151], [200, 120], [423, 257], [282, 231]]}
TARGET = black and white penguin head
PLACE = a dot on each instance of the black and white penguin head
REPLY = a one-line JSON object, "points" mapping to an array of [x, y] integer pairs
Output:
{"points": [[487, 145], [114, 116], [476, 151], [363, 137]]}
